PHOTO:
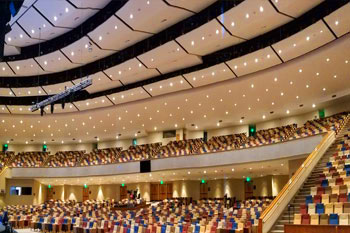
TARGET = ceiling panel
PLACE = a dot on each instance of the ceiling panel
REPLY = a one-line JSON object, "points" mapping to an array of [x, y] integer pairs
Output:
{"points": [[169, 57], [10, 50], [26, 67], [151, 16], [252, 62], [98, 102], [5, 70], [251, 18], [3, 109], [55, 62], [208, 38], [295, 8], [100, 82], [115, 35], [130, 71], [18, 37], [26, 4], [6, 92], [209, 75], [100, 4], [84, 51], [193, 5], [56, 88], [28, 91], [129, 96], [339, 20], [168, 86], [38, 27], [21, 110], [63, 14], [304, 41]]}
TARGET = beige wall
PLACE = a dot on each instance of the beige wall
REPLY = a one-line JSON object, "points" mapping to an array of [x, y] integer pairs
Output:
{"points": [[104, 192], [143, 188], [73, 192], [216, 188], [234, 188], [19, 200], [278, 183], [186, 188], [293, 165], [263, 186]]}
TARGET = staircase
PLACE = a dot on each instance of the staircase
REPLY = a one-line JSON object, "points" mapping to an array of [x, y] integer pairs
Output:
{"points": [[287, 216]]}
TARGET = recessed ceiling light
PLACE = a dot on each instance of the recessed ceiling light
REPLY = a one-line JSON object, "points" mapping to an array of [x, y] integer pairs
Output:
{"points": [[217, 31], [232, 24], [131, 16], [192, 43], [263, 116], [261, 9], [275, 79], [247, 16], [307, 38], [324, 89], [336, 22], [313, 105], [327, 59], [279, 51], [252, 86], [55, 18], [300, 70], [67, 10], [282, 93], [287, 111]]}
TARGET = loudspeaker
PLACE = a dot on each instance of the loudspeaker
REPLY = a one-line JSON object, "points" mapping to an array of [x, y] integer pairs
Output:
{"points": [[145, 166]]}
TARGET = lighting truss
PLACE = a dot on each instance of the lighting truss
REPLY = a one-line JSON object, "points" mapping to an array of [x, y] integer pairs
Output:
{"points": [[53, 99]]}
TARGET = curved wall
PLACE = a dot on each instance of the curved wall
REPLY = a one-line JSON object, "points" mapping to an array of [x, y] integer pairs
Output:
{"points": [[262, 153]]}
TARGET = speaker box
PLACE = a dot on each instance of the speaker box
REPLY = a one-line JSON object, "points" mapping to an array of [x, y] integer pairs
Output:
{"points": [[145, 166]]}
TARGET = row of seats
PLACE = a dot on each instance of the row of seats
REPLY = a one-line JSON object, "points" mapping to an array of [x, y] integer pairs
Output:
{"points": [[180, 148], [329, 199], [195, 217]]}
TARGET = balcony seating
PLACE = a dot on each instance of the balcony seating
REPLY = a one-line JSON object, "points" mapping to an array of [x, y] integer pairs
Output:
{"points": [[338, 168], [5, 157], [101, 156], [65, 159], [29, 159]]}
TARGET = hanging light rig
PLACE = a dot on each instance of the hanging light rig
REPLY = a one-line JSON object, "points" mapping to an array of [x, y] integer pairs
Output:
{"points": [[53, 99]]}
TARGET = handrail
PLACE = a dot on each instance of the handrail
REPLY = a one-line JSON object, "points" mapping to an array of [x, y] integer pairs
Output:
{"points": [[320, 148], [3, 170]]}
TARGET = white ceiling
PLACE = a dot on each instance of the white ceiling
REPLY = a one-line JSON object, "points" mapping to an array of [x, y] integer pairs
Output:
{"points": [[310, 79]]}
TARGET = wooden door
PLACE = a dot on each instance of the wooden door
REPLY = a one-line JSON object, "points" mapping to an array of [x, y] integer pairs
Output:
{"points": [[49, 193], [85, 193], [163, 191], [169, 190], [203, 191], [248, 189], [154, 192], [123, 192]]}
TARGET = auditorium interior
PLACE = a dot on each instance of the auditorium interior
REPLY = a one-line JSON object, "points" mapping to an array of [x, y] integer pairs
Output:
{"points": [[174, 116]]}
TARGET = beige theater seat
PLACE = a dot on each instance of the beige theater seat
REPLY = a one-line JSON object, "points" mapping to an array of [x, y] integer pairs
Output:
{"points": [[338, 208], [315, 219], [325, 198], [312, 208], [297, 219], [343, 219], [329, 208]]}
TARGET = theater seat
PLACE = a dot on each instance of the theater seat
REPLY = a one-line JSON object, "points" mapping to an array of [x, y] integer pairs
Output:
{"points": [[325, 198], [303, 209], [315, 219], [308, 199], [334, 198], [346, 208], [334, 219], [305, 219], [324, 220], [335, 189], [317, 199], [329, 208], [313, 191], [312, 208], [343, 219], [338, 208], [320, 208]]}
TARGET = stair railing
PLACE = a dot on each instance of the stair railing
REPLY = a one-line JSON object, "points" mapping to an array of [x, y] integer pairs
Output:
{"points": [[280, 203]]}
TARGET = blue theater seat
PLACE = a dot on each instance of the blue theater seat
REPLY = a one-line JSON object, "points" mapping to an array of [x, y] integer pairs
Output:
{"points": [[308, 200], [319, 208], [324, 183], [333, 219]]}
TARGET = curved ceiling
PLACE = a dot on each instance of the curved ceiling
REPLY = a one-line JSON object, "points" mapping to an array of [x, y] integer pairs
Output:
{"points": [[294, 87], [219, 73]]}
